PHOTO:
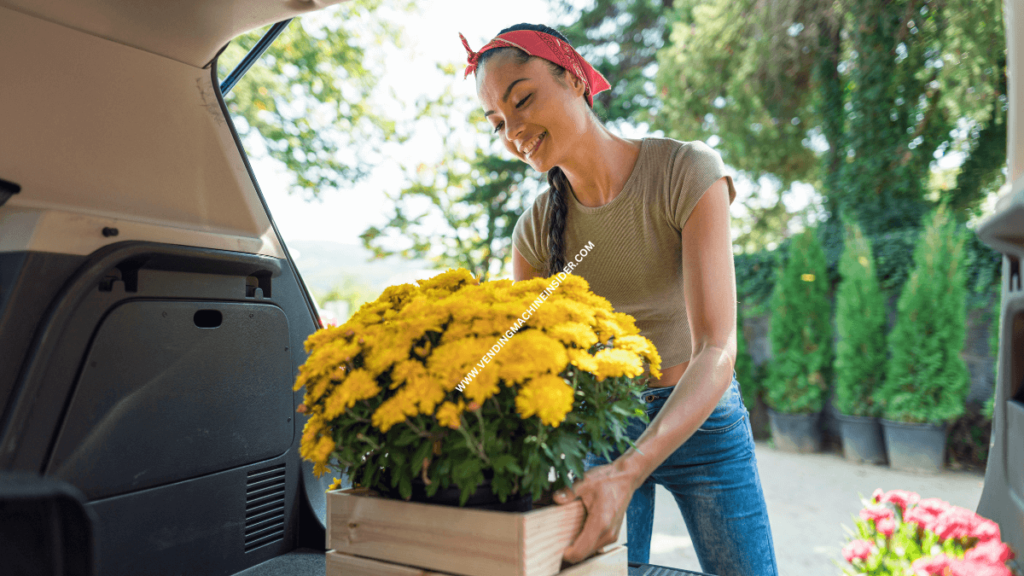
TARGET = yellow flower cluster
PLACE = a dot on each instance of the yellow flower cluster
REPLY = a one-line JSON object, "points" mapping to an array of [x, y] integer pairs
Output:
{"points": [[406, 353]]}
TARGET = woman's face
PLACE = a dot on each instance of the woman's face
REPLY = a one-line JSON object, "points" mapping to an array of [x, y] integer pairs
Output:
{"points": [[537, 116]]}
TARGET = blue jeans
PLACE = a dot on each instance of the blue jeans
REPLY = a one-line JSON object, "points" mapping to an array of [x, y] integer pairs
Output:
{"points": [[713, 477]]}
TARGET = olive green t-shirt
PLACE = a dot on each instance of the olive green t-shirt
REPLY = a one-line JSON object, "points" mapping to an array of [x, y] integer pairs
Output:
{"points": [[636, 258]]}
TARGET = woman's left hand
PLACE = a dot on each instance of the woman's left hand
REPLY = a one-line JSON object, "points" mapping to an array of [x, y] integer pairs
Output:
{"points": [[605, 492]]}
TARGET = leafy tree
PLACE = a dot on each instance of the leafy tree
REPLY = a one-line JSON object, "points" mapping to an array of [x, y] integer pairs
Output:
{"points": [[926, 380], [460, 211], [620, 38], [861, 323], [801, 331], [855, 97], [310, 96]]}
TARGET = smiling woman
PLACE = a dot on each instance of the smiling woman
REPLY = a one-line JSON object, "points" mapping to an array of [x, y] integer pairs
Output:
{"points": [[656, 211]]}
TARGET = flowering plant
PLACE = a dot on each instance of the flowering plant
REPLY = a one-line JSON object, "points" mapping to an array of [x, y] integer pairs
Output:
{"points": [[455, 382], [899, 534]]}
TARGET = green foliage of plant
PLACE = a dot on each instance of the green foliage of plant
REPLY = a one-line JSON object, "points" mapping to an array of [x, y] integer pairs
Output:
{"points": [[993, 349], [310, 96], [801, 331], [515, 455], [861, 323], [926, 380], [460, 211], [750, 388]]}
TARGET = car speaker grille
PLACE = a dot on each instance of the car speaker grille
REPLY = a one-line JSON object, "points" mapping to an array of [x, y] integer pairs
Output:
{"points": [[264, 507]]}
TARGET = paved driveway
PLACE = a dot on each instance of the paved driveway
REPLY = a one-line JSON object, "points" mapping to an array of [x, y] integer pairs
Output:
{"points": [[810, 498]]}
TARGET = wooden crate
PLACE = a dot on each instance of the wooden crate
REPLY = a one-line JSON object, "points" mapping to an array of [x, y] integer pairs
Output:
{"points": [[448, 539], [610, 563]]}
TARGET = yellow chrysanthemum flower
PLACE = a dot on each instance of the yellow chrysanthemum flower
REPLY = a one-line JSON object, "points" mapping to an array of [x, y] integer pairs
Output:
{"points": [[582, 360], [577, 333], [449, 414], [335, 484], [449, 280], [394, 410], [528, 354], [358, 386], [642, 346], [484, 383], [612, 363], [548, 397]]}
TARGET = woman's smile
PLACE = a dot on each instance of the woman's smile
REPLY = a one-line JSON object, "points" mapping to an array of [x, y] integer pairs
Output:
{"points": [[530, 149]]}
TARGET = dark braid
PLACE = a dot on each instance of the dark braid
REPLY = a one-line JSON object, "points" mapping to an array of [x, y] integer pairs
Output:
{"points": [[559, 182]]}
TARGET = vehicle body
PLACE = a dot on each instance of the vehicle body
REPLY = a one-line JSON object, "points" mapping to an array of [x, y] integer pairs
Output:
{"points": [[152, 320]]}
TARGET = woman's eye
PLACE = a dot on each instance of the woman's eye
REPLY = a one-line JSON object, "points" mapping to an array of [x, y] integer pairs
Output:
{"points": [[499, 127], [523, 101]]}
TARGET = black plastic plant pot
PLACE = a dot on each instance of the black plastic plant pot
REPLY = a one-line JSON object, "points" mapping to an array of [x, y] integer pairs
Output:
{"points": [[915, 447], [795, 432], [863, 440]]}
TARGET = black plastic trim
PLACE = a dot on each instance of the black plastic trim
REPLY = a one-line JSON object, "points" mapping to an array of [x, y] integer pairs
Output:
{"points": [[252, 56], [129, 257]]}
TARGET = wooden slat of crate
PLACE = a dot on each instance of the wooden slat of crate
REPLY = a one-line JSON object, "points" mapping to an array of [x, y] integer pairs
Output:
{"points": [[461, 541], [611, 563], [345, 565]]}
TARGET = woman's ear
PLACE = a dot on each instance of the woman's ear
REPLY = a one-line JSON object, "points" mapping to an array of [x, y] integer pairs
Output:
{"points": [[579, 87]]}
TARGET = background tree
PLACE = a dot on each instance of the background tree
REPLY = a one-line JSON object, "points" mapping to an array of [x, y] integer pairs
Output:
{"points": [[855, 97], [801, 331], [861, 323], [310, 95], [926, 380], [620, 38], [460, 211]]}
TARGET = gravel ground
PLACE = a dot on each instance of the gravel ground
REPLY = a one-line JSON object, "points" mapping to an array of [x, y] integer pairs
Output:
{"points": [[810, 498]]}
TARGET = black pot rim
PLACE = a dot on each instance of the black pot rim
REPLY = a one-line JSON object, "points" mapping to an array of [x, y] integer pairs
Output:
{"points": [[852, 418], [912, 425], [792, 415]]}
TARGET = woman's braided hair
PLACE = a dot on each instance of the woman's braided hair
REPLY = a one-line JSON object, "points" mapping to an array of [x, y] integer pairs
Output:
{"points": [[559, 182]]}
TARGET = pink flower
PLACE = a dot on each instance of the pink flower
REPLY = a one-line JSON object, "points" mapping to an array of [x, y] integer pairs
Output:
{"points": [[931, 565], [955, 522], [876, 512], [977, 568], [933, 505], [922, 517], [986, 530], [876, 496], [886, 526], [901, 498], [858, 550], [992, 552]]}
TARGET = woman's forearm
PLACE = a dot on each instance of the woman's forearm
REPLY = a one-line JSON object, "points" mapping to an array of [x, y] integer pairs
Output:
{"points": [[701, 386]]}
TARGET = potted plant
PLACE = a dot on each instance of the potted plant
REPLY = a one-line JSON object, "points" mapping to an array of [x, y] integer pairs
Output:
{"points": [[861, 349], [899, 533], [492, 390], [926, 380], [801, 337]]}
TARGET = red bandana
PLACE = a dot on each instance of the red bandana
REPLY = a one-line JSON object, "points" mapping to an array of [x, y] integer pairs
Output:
{"points": [[549, 48]]}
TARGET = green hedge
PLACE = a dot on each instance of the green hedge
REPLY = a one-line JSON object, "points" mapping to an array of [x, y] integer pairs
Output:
{"points": [[893, 255]]}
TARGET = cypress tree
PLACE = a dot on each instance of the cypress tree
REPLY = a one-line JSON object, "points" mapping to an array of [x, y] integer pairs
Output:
{"points": [[801, 330], [860, 321], [926, 380]]}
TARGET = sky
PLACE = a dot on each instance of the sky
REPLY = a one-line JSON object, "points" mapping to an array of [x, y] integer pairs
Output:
{"points": [[431, 36]]}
